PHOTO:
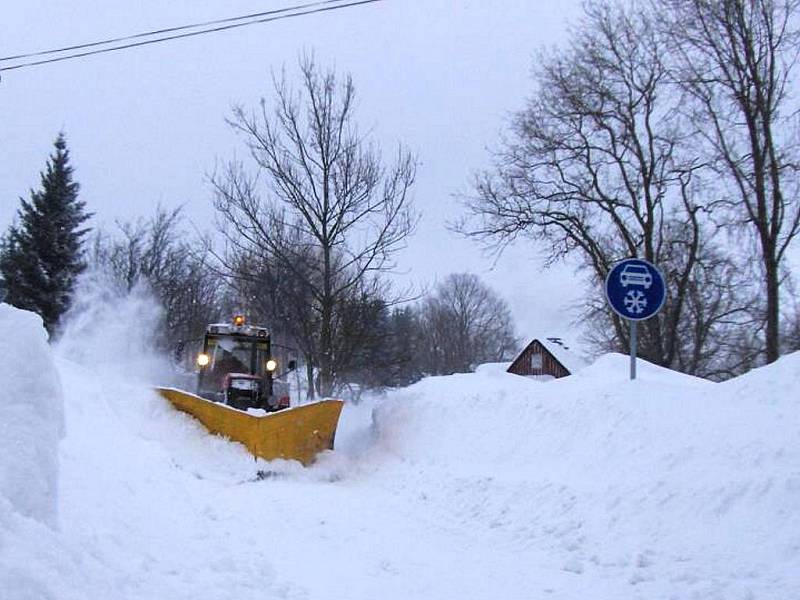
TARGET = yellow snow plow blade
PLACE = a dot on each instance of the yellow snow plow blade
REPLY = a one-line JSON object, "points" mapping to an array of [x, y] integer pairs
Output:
{"points": [[297, 433]]}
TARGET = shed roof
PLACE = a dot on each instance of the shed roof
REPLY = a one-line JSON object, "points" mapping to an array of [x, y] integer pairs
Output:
{"points": [[561, 351]]}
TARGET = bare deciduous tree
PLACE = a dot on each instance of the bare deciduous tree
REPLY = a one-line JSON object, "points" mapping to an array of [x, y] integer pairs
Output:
{"points": [[593, 165], [156, 253], [599, 164], [273, 293], [326, 188], [735, 59], [464, 323]]}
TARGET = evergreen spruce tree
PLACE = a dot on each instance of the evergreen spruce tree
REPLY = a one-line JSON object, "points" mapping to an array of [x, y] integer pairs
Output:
{"points": [[41, 254]]}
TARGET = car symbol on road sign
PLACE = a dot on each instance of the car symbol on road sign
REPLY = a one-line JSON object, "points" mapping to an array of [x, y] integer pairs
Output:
{"points": [[633, 274], [635, 289]]}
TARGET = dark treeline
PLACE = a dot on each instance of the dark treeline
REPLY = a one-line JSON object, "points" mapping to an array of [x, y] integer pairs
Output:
{"points": [[461, 323]]}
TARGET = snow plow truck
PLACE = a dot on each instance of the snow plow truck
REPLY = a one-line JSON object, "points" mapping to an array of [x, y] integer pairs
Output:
{"points": [[236, 373]]}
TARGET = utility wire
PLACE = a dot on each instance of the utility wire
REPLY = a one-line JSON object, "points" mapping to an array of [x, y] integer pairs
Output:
{"points": [[168, 30], [275, 17]]}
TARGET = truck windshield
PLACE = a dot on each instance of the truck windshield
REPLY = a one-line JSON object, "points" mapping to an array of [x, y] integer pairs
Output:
{"points": [[232, 355], [235, 354]]}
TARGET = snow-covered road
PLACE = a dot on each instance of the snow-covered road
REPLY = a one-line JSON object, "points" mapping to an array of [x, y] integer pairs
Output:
{"points": [[170, 512], [474, 486]]}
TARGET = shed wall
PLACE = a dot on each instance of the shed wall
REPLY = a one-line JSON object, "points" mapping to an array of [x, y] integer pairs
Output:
{"points": [[523, 364]]}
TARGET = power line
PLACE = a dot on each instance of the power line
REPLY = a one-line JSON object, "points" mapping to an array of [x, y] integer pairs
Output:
{"points": [[274, 17], [167, 30]]}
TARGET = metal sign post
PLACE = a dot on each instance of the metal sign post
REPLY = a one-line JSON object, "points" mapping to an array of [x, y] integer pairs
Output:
{"points": [[633, 349], [635, 290]]}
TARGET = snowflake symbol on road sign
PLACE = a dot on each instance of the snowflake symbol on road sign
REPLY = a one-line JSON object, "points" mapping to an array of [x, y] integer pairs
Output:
{"points": [[635, 302]]}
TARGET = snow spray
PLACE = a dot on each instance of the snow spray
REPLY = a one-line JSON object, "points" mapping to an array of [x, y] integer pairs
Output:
{"points": [[113, 331]]}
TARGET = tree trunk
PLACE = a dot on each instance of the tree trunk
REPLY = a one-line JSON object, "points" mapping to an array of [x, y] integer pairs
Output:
{"points": [[325, 356], [773, 314], [310, 394], [326, 326]]}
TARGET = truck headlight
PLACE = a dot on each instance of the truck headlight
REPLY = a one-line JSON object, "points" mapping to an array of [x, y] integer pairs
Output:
{"points": [[203, 359]]}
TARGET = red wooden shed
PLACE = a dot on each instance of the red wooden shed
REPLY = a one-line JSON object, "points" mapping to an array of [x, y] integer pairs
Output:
{"points": [[539, 359]]}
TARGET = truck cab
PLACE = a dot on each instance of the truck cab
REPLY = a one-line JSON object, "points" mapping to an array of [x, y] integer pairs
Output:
{"points": [[236, 367]]}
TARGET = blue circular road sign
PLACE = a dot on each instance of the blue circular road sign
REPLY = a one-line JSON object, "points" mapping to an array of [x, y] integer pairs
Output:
{"points": [[635, 289]]}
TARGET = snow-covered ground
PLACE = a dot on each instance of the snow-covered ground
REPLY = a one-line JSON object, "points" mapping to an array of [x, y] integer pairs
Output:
{"points": [[477, 486]]}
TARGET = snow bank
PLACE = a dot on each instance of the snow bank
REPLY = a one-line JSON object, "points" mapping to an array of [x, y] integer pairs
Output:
{"points": [[673, 485], [34, 561], [31, 416], [494, 368]]}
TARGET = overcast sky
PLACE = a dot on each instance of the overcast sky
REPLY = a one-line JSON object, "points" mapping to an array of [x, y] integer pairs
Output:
{"points": [[146, 126]]}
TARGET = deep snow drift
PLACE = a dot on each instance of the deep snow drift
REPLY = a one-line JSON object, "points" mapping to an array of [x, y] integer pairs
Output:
{"points": [[32, 555], [485, 485], [31, 416], [679, 487]]}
